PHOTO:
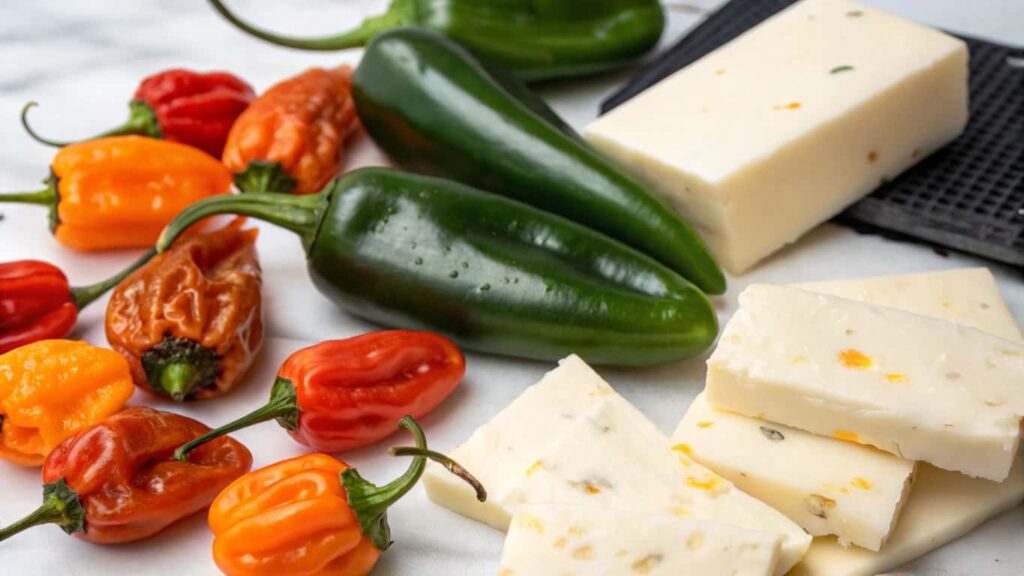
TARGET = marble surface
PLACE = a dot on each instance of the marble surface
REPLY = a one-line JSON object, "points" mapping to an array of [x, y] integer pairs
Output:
{"points": [[82, 60]]}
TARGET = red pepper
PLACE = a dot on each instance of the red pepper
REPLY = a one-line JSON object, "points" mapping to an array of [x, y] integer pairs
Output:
{"points": [[37, 303], [345, 394], [116, 482], [194, 108]]}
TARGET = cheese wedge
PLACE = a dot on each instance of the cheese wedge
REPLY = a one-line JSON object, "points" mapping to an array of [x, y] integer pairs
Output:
{"points": [[824, 485], [590, 541], [797, 118], [499, 452], [614, 457], [917, 387], [968, 296]]}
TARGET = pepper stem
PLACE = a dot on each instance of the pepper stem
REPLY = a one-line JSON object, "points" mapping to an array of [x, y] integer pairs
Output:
{"points": [[45, 197], [400, 13], [283, 406], [264, 176], [141, 121], [82, 296], [300, 214], [370, 503], [180, 367], [61, 506]]}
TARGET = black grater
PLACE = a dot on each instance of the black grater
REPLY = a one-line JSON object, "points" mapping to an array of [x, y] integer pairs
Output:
{"points": [[968, 196]]}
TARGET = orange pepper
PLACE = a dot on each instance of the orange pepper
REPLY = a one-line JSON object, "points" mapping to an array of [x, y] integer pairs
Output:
{"points": [[312, 515], [290, 139], [51, 389], [120, 192]]}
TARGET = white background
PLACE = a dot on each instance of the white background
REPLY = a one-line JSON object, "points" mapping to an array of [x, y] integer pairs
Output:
{"points": [[82, 61]]}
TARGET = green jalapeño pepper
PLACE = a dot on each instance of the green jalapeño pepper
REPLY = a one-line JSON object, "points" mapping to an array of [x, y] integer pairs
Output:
{"points": [[493, 274], [534, 39], [435, 109]]}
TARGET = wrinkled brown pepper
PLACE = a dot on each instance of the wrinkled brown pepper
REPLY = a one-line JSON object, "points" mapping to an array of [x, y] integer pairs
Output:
{"points": [[190, 321]]}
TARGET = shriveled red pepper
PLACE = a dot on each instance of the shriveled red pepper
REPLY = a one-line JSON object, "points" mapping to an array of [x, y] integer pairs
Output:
{"points": [[37, 303], [115, 482], [341, 395], [190, 321], [120, 192], [313, 515], [290, 139], [193, 108]]}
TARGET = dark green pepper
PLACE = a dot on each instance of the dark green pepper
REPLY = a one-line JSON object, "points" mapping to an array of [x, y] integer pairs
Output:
{"points": [[434, 109], [534, 39], [493, 274]]}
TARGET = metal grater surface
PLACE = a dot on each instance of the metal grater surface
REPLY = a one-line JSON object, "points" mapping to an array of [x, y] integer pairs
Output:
{"points": [[969, 196]]}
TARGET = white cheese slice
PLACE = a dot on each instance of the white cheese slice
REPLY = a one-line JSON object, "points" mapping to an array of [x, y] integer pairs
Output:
{"points": [[589, 541], [921, 388], [614, 457], [824, 485], [500, 451], [968, 296], [796, 119]]}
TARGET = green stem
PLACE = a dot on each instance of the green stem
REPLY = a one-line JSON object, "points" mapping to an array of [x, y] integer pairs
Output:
{"points": [[400, 13], [46, 197], [283, 406], [177, 380], [300, 214], [370, 503], [141, 121], [82, 296], [61, 506]]}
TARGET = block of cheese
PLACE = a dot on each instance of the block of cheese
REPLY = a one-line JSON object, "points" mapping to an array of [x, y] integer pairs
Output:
{"points": [[500, 451], [590, 541], [918, 387], [825, 485], [796, 119], [614, 457], [968, 296], [942, 507]]}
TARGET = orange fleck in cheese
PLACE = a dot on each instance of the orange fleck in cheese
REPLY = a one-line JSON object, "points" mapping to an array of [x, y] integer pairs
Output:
{"points": [[684, 448], [702, 484], [846, 436], [705, 424], [896, 377], [851, 358], [861, 483]]}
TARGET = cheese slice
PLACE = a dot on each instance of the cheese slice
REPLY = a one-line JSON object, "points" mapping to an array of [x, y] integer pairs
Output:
{"points": [[614, 457], [921, 388], [500, 451], [796, 118], [590, 541], [824, 485], [968, 296]]}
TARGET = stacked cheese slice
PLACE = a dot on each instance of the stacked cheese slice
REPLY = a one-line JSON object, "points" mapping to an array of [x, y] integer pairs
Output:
{"points": [[833, 390]]}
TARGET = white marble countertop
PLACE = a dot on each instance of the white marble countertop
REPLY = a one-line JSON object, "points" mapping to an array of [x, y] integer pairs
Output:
{"points": [[82, 61]]}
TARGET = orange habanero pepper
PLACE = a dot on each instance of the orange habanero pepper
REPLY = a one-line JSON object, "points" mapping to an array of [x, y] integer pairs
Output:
{"points": [[51, 389], [313, 515], [120, 192], [290, 139]]}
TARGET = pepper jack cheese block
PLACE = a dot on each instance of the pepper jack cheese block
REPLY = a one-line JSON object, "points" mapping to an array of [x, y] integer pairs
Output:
{"points": [[590, 541], [499, 452], [614, 457], [825, 485], [797, 118], [921, 388]]}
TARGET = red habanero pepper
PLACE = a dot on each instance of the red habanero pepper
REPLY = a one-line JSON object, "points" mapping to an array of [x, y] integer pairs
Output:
{"points": [[341, 395], [290, 139], [37, 303], [193, 108], [116, 482]]}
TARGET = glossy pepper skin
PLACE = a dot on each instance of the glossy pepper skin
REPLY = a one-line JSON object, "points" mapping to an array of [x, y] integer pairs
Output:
{"points": [[535, 40], [290, 139], [37, 303], [436, 110], [493, 274], [340, 395], [312, 515], [193, 108], [52, 389], [114, 482], [190, 322], [119, 192]]}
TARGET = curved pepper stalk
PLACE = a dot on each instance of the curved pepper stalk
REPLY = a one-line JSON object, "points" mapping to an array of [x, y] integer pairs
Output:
{"points": [[142, 121], [370, 502], [61, 506]]}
